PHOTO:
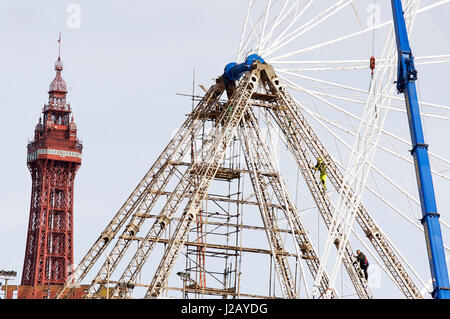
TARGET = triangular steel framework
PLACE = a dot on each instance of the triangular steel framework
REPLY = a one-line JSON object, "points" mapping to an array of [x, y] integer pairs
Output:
{"points": [[234, 120]]}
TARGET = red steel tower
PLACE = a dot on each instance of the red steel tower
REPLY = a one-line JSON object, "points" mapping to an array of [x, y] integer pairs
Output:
{"points": [[53, 159]]}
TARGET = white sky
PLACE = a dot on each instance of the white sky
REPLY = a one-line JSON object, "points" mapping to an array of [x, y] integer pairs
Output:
{"points": [[123, 68]]}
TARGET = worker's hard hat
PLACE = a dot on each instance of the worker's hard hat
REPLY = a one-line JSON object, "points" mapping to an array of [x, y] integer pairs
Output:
{"points": [[320, 159]]}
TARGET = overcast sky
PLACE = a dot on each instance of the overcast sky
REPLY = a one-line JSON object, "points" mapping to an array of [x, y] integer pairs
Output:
{"points": [[124, 62]]}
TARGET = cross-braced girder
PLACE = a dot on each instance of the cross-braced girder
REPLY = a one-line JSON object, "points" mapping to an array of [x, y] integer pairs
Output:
{"points": [[265, 176], [152, 181], [232, 119], [298, 132]]}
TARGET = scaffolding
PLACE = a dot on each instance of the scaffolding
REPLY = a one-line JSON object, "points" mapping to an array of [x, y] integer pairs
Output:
{"points": [[217, 181]]}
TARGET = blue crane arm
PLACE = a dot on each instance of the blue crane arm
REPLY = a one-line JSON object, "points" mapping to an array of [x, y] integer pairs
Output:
{"points": [[406, 77]]}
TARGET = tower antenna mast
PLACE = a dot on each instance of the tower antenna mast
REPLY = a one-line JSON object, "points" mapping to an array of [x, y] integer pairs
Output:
{"points": [[59, 45]]}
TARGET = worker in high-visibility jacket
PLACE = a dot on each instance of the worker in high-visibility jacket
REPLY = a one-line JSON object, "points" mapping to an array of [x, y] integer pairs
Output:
{"points": [[322, 168]]}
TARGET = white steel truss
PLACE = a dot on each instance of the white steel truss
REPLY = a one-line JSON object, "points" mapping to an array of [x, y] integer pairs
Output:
{"points": [[234, 119]]}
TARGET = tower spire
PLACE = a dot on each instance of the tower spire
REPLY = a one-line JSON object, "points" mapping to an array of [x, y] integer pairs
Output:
{"points": [[58, 84]]}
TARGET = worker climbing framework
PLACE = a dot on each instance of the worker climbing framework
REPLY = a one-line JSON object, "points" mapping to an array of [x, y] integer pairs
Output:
{"points": [[322, 168], [174, 198]]}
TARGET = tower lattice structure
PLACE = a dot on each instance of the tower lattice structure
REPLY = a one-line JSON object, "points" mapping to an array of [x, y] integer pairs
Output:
{"points": [[53, 159]]}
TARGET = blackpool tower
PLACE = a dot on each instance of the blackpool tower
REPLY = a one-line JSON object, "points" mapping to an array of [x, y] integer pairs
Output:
{"points": [[53, 159]]}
